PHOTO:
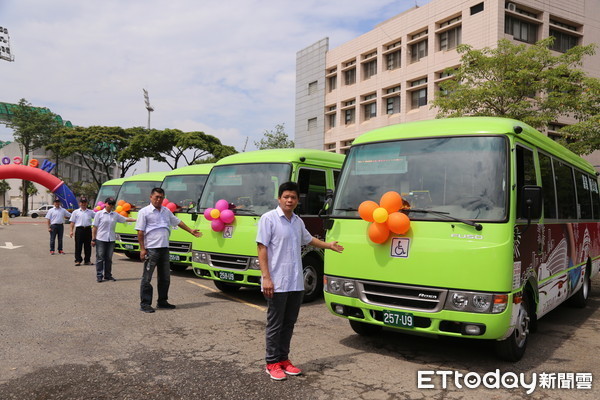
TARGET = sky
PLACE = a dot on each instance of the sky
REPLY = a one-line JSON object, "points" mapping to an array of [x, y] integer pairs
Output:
{"points": [[226, 68]]}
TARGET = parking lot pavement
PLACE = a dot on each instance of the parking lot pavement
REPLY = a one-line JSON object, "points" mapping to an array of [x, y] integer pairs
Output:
{"points": [[64, 336]]}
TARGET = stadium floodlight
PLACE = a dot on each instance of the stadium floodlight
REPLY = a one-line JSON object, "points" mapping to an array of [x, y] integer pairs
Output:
{"points": [[150, 109]]}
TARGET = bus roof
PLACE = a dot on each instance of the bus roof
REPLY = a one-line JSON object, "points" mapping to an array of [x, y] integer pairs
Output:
{"points": [[473, 126], [147, 176], [315, 157], [196, 169], [114, 182]]}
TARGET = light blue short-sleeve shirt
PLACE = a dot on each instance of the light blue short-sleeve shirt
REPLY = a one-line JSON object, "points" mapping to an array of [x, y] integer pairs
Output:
{"points": [[57, 215], [105, 222], [283, 239]]}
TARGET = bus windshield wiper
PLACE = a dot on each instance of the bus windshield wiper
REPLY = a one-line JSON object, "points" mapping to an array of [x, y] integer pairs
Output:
{"points": [[476, 225], [346, 209], [245, 210]]}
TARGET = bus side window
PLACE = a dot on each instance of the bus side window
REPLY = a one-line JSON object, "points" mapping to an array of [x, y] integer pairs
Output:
{"points": [[565, 191], [548, 186], [584, 196], [595, 197], [525, 173]]}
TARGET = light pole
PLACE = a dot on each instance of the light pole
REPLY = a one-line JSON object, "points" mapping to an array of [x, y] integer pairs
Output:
{"points": [[150, 109]]}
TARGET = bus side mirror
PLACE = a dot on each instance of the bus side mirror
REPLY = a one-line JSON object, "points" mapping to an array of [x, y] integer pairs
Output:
{"points": [[531, 202], [327, 205]]}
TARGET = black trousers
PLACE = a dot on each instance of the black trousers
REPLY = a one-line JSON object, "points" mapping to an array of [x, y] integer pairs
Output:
{"points": [[83, 240]]}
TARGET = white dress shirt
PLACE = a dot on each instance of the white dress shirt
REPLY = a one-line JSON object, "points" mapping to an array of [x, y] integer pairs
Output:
{"points": [[156, 224], [82, 217], [105, 223], [57, 215]]}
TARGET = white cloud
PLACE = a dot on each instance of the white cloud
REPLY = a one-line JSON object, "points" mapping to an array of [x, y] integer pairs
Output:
{"points": [[227, 68]]}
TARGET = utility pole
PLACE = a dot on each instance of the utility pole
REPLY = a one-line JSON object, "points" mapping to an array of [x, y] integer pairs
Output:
{"points": [[150, 109]]}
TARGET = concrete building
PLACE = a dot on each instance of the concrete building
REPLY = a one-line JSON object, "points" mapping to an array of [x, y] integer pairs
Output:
{"points": [[70, 169], [391, 73]]}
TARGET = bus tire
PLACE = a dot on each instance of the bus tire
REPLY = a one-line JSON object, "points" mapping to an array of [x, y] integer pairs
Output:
{"points": [[579, 299], [178, 267], [312, 271], [513, 347], [133, 255], [364, 329], [226, 287]]}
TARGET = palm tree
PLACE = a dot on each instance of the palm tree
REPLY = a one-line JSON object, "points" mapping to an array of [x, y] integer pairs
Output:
{"points": [[4, 187], [30, 189]]}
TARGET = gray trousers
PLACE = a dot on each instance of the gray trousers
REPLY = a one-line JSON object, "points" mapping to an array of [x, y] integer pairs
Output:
{"points": [[282, 314]]}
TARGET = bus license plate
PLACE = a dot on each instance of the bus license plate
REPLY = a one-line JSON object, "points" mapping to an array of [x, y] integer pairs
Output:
{"points": [[399, 319], [173, 257], [128, 246], [226, 276]]}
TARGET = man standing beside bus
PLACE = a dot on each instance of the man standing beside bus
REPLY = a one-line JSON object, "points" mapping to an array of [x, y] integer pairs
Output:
{"points": [[154, 224], [281, 235], [56, 225], [81, 226]]}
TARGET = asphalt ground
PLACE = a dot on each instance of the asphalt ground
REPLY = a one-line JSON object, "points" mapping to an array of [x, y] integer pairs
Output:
{"points": [[65, 336]]}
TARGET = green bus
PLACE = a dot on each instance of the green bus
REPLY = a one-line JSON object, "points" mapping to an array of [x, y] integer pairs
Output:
{"points": [[135, 190], [183, 187], [249, 182], [108, 189], [503, 227]]}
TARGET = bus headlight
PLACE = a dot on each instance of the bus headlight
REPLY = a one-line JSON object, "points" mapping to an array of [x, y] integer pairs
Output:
{"points": [[340, 286], [254, 264], [199, 257], [475, 302]]}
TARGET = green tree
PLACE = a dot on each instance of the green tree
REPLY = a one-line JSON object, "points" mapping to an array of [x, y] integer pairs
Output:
{"points": [[530, 83], [136, 149], [275, 139], [33, 128], [30, 189], [4, 187]]}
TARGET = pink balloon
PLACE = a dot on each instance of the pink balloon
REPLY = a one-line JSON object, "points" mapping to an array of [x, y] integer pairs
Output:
{"points": [[222, 205], [172, 207], [227, 216], [100, 203], [207, 214], [217, 225], [165, 202]]}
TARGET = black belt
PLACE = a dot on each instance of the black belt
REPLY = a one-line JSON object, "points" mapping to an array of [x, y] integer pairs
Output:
{"points": [[83, 227]]}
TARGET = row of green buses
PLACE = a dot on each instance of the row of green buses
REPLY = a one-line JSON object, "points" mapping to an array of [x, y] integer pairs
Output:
{"points": [[503, 226]]}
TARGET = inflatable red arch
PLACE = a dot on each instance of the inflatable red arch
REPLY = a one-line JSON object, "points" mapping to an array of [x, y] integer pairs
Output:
{"points": [[41, 176]]}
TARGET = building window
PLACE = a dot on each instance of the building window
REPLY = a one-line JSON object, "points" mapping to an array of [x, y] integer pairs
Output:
{"points": [[418, 96], [392, 60], [477, 8], [331, 121], [563, 41], [349, 116], [392, 105], [370, 110], [332, 83], [520, 30], [312, 124], [450, 39], [330, 146], [312, 88], [418, 51], [369, 69], [350, 77]]}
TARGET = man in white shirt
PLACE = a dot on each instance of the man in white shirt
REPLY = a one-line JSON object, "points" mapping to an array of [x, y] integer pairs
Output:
{"points": [[154, 227], [104, 236], [81, 225], [280, 237], [56, 225]]}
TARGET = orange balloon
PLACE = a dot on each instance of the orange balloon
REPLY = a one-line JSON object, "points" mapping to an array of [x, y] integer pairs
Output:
{"points": [[398, 223], [366, 208], [378, 233], [391, 201], [123, 213], [126, 207], [120, 202]]}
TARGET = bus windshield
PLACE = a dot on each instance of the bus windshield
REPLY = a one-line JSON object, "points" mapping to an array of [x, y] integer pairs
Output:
{"points": [[251, 188], [107, 191], [462, 177], [137, 193], [184, 190]]}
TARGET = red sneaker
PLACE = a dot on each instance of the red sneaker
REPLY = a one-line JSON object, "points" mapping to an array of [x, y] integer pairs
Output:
{"points": [[289, 369], [275, 371]]}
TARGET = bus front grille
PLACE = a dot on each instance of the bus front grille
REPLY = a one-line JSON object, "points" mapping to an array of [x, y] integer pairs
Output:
{"points": [[128, 238], [180, 247], [402, 296], [228, 261]]}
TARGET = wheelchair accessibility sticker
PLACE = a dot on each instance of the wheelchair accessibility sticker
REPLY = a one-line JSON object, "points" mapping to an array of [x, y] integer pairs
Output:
{"points": [[228, 232], [400, 246]]}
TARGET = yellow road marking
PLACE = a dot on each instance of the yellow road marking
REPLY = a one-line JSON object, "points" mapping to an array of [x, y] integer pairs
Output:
{"points": [[263, 309]]}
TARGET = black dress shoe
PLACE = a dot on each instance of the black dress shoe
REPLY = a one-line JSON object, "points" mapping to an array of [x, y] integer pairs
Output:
{"points": [[110, 279], [77, 264], [166, 305], [147, 308], [99, 280]]}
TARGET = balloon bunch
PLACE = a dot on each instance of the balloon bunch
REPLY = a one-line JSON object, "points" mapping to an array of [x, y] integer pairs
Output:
{"points": [[171, 206], [385, 217], [219, 215], [123, 208]]}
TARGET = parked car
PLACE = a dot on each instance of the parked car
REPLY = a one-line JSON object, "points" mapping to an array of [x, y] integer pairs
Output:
{"points": [[12, 211], [40, 212]]}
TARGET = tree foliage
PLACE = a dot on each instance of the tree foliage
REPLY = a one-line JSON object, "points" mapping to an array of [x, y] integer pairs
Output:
{"points": [[530, 83], [275, 139], [4, 187]]}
